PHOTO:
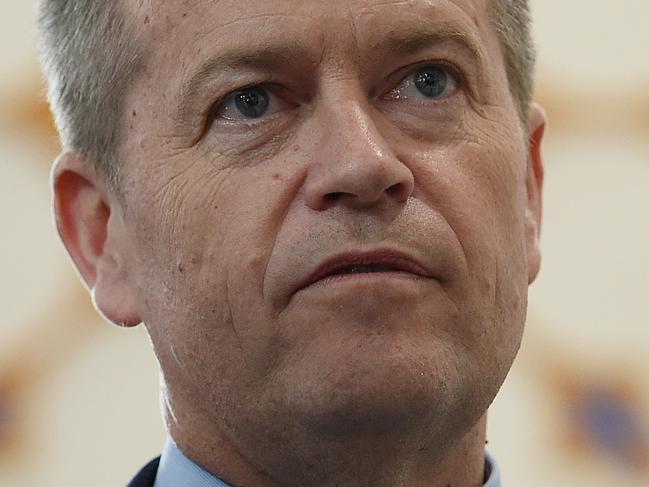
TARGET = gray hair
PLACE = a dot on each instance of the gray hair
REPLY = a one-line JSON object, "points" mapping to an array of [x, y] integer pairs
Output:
{"points": [[90, 56], [512, 21]]}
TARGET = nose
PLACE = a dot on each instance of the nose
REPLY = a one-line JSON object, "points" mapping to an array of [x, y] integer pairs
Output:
{"points": [[353, 164]]}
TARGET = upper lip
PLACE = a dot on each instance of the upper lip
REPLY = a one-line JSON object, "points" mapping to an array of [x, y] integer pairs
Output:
{"points": [[395, 259]]}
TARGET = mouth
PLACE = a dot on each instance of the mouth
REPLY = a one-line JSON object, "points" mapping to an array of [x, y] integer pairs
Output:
{"points": [[359, 263], [358, 269]]}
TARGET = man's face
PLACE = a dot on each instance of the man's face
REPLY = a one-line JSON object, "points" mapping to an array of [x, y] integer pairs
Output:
{"points": [[265, 138]]}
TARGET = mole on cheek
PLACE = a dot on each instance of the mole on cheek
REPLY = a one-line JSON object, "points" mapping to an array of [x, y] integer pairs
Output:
{"points": [[256, 263]]}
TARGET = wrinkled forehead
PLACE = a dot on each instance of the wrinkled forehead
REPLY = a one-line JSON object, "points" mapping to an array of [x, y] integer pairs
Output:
{"points": [[178, 31]]}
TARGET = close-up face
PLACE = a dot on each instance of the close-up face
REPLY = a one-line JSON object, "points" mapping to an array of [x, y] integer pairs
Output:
{"points": [[262, 140]]}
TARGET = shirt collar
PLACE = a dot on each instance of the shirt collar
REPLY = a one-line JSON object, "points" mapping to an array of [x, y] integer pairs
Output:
{"points": [[176, 469]]}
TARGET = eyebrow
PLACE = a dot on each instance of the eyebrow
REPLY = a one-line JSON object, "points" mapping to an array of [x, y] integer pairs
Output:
{"points": [[269, 58], [264, 58], [420, 37]]}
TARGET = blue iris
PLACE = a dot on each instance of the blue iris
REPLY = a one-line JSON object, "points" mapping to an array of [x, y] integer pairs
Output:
{"points": [[431, 81], [252, 102]]}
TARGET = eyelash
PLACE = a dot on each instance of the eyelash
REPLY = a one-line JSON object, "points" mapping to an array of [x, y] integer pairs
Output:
{"points": [[401, 75], [217, 106], [456, 75]]}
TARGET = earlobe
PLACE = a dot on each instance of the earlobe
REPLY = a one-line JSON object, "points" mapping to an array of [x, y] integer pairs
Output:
{"points": [[91, 230], [534, 185]]}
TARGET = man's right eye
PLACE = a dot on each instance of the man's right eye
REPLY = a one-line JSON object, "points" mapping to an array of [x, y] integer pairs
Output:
{"points": [[246, 104]]}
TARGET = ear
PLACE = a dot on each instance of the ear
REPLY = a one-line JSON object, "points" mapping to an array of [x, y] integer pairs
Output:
{"points": [[533, 213], [90, 223]]}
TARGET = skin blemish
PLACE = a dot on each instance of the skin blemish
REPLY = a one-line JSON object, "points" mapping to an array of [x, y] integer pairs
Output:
{"points": [[277, 177], [180, 268], [256, 263], [296, 148], [146, 20], [134, 113]]}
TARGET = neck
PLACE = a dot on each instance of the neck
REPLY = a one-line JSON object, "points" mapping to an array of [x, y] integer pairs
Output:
{"points": [[379, 460]]}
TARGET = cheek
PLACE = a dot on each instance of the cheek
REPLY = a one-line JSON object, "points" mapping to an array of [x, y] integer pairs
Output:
{"points": [[478, 186], [494, 240], [178, 229], [180, 236], [202, 239]]}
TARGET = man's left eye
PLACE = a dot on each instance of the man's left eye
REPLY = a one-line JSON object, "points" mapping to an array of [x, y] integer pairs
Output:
{"points": [[430, 82], [246, 104]]}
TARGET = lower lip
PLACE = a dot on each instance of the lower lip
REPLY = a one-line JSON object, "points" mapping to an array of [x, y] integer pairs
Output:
{"points": [[370, 277]]}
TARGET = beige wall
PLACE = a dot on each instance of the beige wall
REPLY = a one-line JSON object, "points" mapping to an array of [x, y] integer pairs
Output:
{"points": [[79, 397]]}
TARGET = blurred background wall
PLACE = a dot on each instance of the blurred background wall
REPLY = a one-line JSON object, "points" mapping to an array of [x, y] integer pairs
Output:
{"points": [[574, 411]]}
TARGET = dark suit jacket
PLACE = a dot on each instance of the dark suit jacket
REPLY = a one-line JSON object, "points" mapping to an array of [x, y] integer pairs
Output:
{"points": [[146, 476]]}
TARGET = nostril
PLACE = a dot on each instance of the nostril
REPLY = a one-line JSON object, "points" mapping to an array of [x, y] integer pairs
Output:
{"points": [[393, 190], [332, 197], [399, 191]]}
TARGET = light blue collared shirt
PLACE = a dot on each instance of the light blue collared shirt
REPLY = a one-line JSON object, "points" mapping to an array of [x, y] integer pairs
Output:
{"points": [[176, 469]]}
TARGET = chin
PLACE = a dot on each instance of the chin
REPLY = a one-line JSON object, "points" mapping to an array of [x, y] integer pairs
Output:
{"points": [[381, 388]]}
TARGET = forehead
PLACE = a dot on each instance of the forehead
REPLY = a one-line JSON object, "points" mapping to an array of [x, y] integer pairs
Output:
{"points": [[197, 28]]}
